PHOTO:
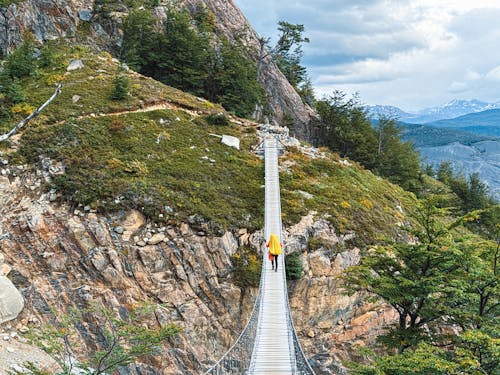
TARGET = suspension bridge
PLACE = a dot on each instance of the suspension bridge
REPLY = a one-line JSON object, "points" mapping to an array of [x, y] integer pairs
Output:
{"points": [[268, 344]]}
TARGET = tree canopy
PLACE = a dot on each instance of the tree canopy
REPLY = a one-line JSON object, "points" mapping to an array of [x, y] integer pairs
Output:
{"points": [[188, 54]]}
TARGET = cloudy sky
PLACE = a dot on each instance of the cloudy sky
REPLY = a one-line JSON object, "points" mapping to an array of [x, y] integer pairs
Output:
{"points": [[408, 53]]}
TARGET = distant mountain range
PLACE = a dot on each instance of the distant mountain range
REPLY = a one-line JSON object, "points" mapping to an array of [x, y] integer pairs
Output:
{"points": [[465, 132], [452, 109]]}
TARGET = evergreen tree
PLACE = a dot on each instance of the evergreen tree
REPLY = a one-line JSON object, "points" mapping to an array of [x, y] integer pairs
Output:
{"points": [[445, 172], [140, 39], [183, 54], [396, 160], [193, 59], [345, 129], [238, 90], [288, 52], [121, 84], [21, 62]]}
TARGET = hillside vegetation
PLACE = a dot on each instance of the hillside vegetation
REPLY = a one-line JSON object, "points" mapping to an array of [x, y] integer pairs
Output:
{"points": [[429, 136], [154, 151]]}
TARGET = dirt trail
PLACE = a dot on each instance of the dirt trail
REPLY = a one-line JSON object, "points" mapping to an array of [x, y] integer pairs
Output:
{"points": [[149, 108]]}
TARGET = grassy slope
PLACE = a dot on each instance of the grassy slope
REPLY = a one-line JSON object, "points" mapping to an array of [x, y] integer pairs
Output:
{"points": [[156, 159], [351, 197]]}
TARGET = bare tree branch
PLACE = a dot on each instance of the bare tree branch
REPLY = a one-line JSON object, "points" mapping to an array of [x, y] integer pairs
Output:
{"points": [[19, 126]]}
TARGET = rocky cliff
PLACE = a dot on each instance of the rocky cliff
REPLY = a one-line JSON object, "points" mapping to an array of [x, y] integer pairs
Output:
{"points": [[62, 18], [60, 258]]}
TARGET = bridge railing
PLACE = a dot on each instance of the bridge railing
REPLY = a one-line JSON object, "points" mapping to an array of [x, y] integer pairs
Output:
{"points": [[237, 359]]}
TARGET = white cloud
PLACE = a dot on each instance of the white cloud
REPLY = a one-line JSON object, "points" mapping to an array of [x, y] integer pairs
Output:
{"points": [[458, 87], [409, 53], [472, 75], [494, 74]]}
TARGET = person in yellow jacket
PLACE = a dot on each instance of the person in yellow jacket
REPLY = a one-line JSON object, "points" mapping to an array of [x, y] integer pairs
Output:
{"points": [[274, 246]]}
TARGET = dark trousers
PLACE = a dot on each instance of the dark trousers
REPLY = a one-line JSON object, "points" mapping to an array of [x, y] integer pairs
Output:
{"points": [[274, 262]]}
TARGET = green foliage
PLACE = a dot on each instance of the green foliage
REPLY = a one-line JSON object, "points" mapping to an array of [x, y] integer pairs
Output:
{"points": [[427, 359], [247, 267], [48, 55], [6, 3], [288, 52], [413, 279], [354, 199], [445, 279], [121, 84], [21, 62], [205, 19], [145, 164], [217, 119], [293, 266], [396, 160], [306, 92], [192, 59], [123, 341], [473, 194], [234, 83], [346, 129]]}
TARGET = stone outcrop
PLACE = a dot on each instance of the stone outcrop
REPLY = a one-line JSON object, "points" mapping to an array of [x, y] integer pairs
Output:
{"points": [[46, 19], [62, 259]]}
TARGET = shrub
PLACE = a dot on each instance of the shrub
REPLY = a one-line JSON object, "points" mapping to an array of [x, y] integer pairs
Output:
{"points": [[247, 266], [54, 79], [23, 109], [293, 266], [217, 119], [21, 63]]}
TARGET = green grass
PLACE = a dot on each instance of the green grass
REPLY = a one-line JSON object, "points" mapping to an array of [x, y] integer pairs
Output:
{"points": [[353, 198], [134, 161], [94, 85]]}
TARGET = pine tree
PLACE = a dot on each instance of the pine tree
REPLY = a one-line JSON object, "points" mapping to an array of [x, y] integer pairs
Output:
{"points": [[121, 85]]}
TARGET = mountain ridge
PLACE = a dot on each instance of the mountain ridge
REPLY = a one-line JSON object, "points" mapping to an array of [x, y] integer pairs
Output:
{"points": [[449, 110]]}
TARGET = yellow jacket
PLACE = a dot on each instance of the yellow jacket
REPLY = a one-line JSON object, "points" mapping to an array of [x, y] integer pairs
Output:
{"points": [[274, 245]]}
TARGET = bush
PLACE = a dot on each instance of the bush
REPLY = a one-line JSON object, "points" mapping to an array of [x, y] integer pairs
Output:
{"points": [[217, 119], [21, 63], [247, 267], [293, 266]]}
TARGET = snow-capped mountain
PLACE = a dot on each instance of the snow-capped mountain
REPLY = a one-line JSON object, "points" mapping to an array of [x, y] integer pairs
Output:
{"points": [[449, 110]]}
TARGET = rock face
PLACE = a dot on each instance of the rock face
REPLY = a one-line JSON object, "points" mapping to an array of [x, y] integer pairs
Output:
{"points": [[60, 260], [48, 19], [330, 323]]}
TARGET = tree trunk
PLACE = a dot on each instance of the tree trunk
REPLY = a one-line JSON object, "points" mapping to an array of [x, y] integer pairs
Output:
{"points": [[19, 126]]}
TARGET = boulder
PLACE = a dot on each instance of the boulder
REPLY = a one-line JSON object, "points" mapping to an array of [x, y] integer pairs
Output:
{"points": [[74, 65], [11, 301], [132, 223], [320, 264], [156, 239], [231, 141], [85, 15]]}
